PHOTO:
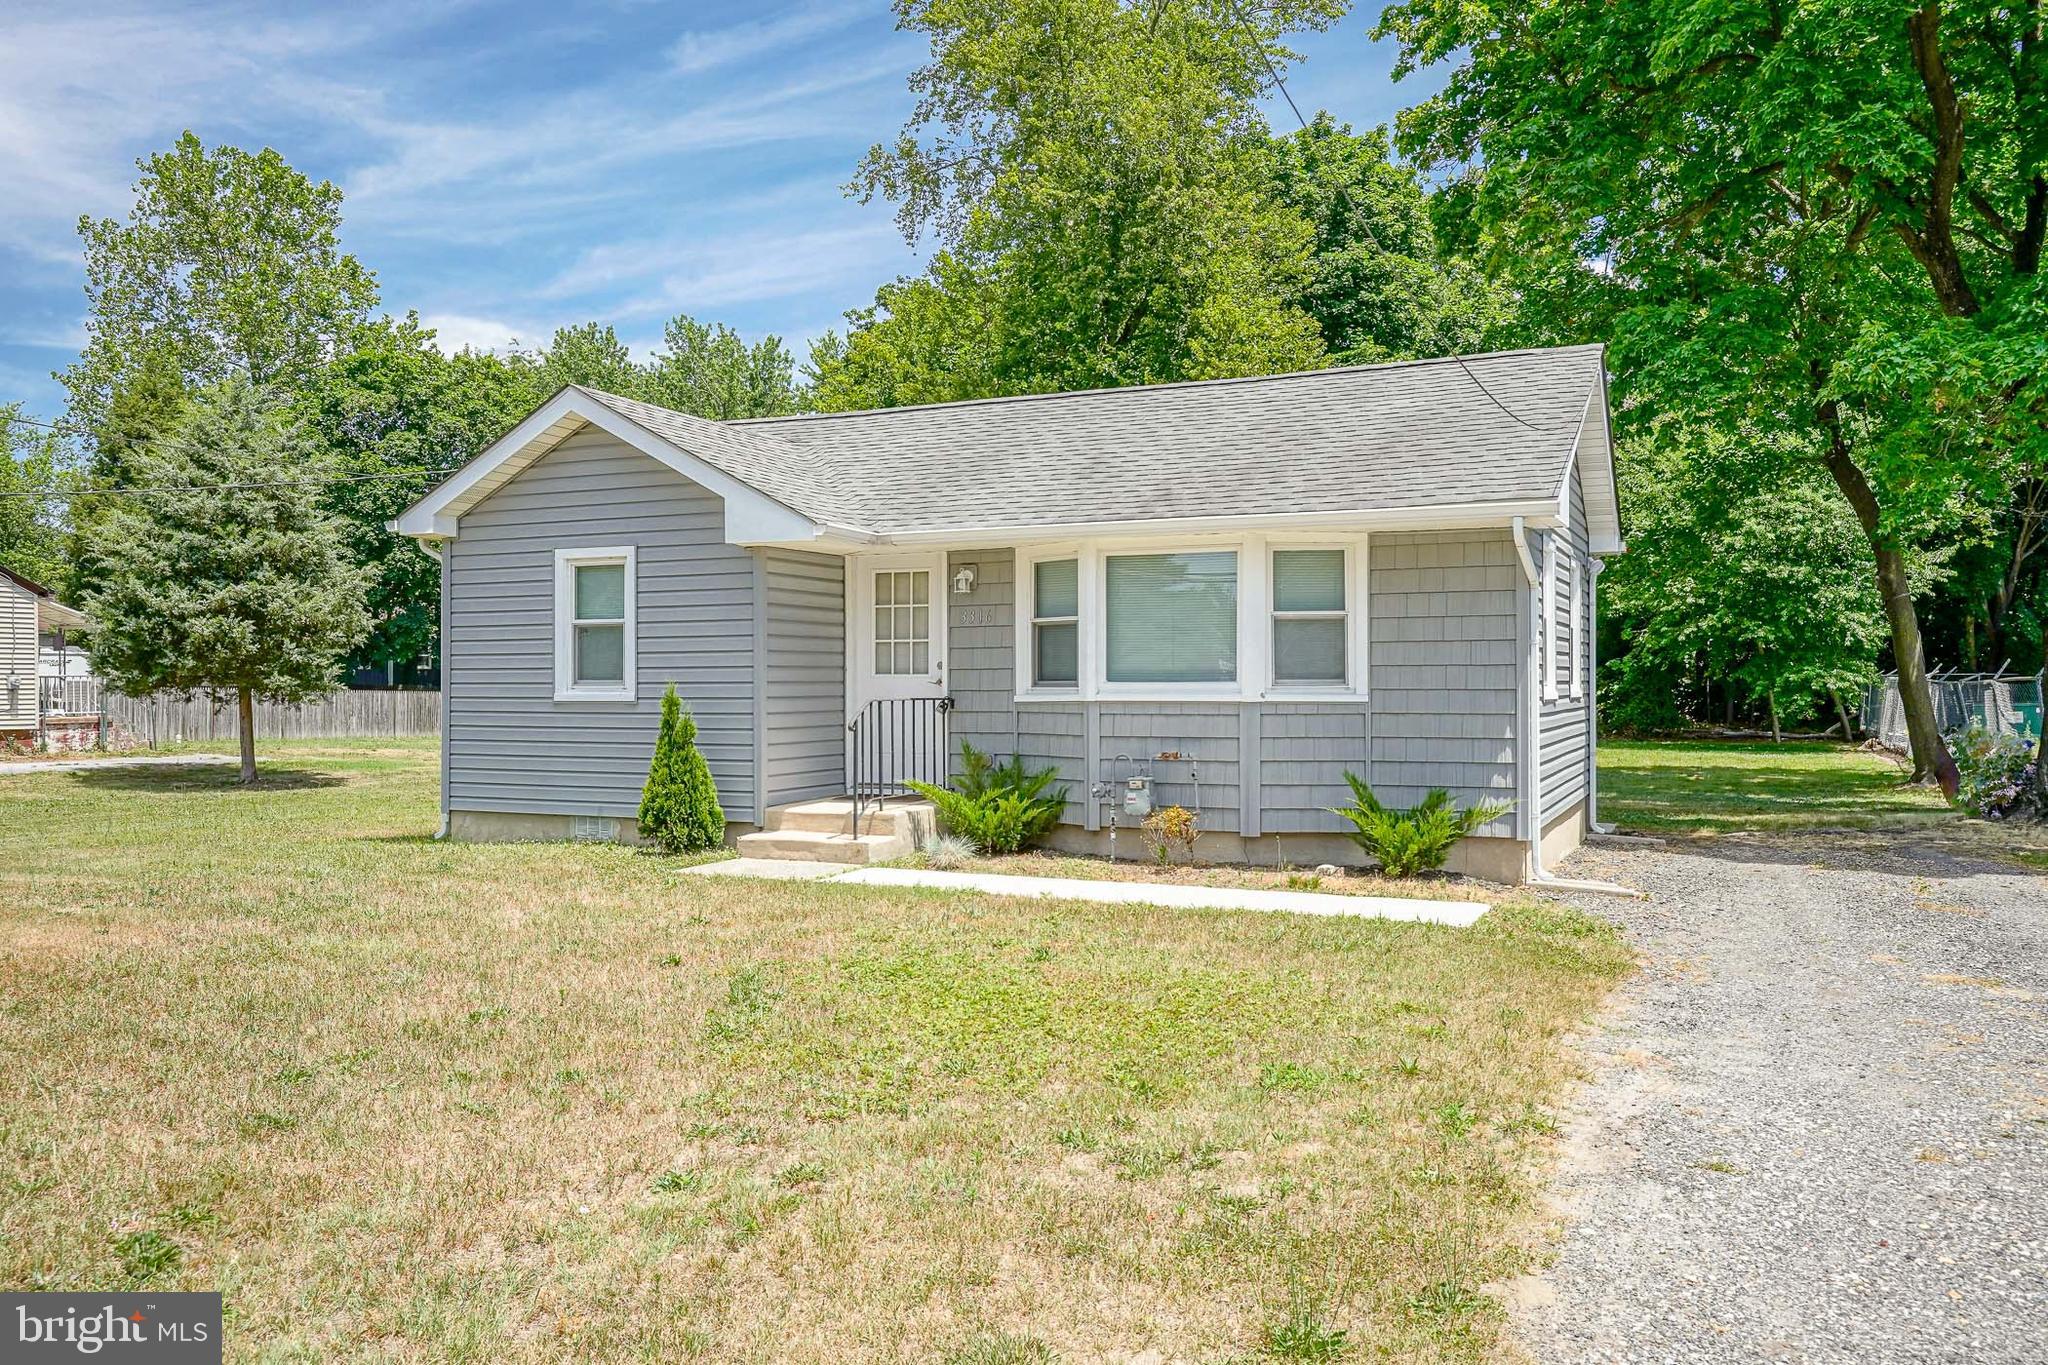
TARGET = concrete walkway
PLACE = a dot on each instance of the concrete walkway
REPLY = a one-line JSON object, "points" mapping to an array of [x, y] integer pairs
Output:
{"points": [[1455, 913], [78, 765]]}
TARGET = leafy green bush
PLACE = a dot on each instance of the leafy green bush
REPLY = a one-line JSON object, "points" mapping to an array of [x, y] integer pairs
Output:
{"points": [[679, 811], [997, 807], [1410, 841], [1996, 773]]}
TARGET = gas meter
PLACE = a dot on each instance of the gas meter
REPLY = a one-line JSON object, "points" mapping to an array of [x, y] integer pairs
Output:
{"points": [[1138, 797]]}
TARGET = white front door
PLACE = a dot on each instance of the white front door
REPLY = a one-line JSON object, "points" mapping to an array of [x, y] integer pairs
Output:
{"points": [[899, 661]]}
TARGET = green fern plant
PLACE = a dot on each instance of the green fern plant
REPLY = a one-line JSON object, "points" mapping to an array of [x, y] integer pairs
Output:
{"points": [[997, 807], [1406, 842]]}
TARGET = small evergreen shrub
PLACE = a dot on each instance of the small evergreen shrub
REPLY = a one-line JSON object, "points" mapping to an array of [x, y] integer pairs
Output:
{"points": [[1995, 772], [679, 810], [1407, 842], [997, 807]]}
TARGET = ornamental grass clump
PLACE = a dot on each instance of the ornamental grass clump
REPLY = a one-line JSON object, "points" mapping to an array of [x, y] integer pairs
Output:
{"points": [[1408, 842], [679, 811]]}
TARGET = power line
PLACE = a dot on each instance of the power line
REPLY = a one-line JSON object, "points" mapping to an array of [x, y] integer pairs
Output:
{"points": [[64, 496], [1271, 70], [59, 427], [1364, 226], [1489, 392]]}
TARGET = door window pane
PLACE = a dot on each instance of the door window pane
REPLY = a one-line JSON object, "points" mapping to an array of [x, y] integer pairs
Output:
{"points": [[903, 622], [1308, 580], [1309, 650], [1172, 617]]}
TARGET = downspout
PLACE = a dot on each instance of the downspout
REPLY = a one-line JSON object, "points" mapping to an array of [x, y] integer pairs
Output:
{"points": [[1529, 748], [1593, 826], [1532, 786], [433, 552]]}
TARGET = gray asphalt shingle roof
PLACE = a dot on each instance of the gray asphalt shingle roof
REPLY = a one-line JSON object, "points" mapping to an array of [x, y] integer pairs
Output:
{"points": [[1362, 438]]}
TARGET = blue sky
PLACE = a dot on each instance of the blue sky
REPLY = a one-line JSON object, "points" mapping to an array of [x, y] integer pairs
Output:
{"points": [[510, 168]]}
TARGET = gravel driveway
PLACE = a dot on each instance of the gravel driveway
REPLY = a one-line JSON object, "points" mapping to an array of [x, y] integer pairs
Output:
{"points": [[1818, 1125]]}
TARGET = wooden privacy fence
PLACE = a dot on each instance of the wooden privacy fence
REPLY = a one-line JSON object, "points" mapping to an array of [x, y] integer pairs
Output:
{"points": [[341, 715]]}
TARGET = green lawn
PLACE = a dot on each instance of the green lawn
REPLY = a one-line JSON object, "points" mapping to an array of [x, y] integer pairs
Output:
{"points": [[1714, 787], [403, 1100]]}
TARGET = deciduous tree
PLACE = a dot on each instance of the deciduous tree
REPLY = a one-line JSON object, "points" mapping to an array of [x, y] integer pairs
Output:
{"points": [[1797, 151], [1099, 178], [230, 263]]}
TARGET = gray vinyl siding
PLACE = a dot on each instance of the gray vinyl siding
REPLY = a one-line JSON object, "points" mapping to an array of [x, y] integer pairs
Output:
{"points": [[1055, 735], [18, 695], [1445, 671], [1207, 736], [1564, 726], [511, 745], [1304, 751], [981, 649], [804, 711], [1442, 710]]}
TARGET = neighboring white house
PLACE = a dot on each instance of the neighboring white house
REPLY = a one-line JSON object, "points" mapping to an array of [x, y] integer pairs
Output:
{"points": [[42, 669], [1239, 589]]}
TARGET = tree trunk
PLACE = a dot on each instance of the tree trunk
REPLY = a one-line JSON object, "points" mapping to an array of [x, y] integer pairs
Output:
{"points": [[246, 706], [1771, 701], [2041, 761], [1931, 758], [1842, 713]]}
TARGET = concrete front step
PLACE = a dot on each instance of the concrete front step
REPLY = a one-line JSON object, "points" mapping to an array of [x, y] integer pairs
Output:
{"points": [[913, 820], [817, 846]]}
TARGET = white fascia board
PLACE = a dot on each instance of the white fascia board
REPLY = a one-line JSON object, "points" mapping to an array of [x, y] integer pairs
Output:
{"points": [[1603, 514], [751, 516], [1459, 517]]}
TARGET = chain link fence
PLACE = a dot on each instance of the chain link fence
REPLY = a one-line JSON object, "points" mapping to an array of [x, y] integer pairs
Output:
{"points": [[2004, 704]]}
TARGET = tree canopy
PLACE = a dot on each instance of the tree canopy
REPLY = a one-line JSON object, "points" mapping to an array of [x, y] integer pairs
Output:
{"points": [[1099, 182], [230, 263], [1809, 224], [34, 475], [226, 575]]}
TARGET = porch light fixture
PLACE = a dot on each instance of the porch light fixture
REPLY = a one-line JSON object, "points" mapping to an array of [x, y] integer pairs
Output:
{"points": [[963, 579]]}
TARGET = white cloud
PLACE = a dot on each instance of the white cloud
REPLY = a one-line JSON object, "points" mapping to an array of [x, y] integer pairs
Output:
{"points": [[695, 52], [693, 274], [459, 332]]}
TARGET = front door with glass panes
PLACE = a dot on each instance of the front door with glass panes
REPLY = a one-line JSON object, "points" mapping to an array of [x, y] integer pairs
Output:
{"points": [[899, 655]]}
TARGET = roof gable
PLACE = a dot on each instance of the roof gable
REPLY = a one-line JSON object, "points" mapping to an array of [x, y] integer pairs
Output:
{"points": [[706, 453]]}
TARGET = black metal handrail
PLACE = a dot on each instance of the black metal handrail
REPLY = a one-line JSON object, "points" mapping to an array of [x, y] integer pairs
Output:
{"points": [[896, 740]]}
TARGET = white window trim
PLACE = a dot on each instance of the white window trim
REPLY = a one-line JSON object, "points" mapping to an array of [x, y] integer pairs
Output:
{"points": [[566, 686], [1550, 557], [1029, 601], [1352, 615], [1581, 629], [1254, 619]]}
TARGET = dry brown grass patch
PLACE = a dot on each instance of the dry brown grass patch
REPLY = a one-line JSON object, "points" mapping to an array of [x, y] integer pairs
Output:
{"points": [[520, 1102]]}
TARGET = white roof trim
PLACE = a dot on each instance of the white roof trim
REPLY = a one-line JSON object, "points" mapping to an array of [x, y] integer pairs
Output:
{"points": [[751, 516], [1459, 516], [1602, 492]]}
